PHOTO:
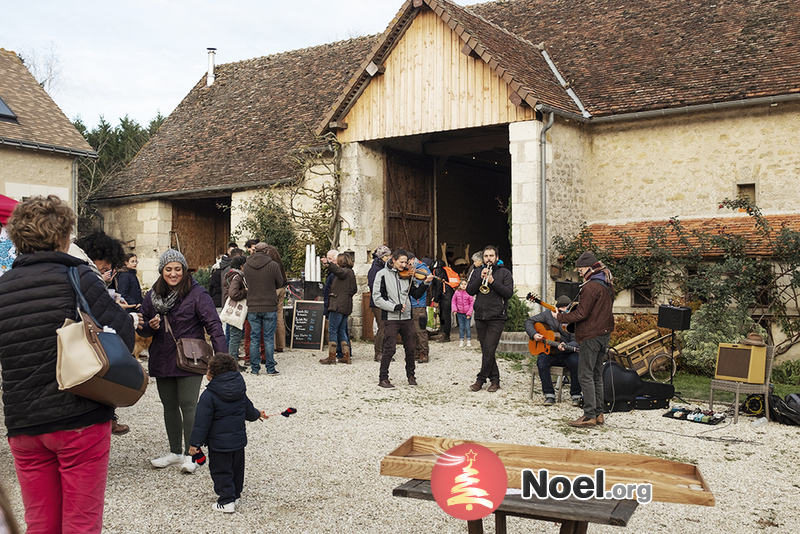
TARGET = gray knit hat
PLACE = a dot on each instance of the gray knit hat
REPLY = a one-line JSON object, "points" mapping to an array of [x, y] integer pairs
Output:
{"points": [[587, 259], [563, 301], [168, 257], [382, 251]]}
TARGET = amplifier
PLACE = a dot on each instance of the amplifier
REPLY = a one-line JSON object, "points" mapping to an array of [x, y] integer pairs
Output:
{"points": [[570, 289], [674, 317], [741, 363]]}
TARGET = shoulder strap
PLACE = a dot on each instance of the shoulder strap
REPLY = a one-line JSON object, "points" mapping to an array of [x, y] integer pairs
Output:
{"points": [[80, 299], [169, 328]]}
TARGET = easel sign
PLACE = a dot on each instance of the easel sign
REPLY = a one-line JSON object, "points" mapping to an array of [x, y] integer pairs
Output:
{"points": [[308, 326]]}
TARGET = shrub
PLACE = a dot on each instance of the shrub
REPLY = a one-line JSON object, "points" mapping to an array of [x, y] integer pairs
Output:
{"points": [[787, 372], [711, 326], [203, 276], [518, 313]]}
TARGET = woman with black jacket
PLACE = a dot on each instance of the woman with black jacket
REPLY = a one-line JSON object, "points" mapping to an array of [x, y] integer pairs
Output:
{"points": [[60, 442]]}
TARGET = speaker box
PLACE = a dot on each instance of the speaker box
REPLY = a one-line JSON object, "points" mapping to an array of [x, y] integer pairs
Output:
{"points": [[741, 363], [570, 289], [674, 317]]}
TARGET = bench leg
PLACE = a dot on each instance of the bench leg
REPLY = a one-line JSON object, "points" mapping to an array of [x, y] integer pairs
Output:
{"points": [[574, 527], [559, 384], [499, 523], [475, 526]]}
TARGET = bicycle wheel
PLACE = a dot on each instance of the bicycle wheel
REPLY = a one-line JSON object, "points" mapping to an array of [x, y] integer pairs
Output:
{"points": [[662, 367]]}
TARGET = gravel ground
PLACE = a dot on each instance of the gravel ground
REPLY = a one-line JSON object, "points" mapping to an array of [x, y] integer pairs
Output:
{"points": [[318, 471]]}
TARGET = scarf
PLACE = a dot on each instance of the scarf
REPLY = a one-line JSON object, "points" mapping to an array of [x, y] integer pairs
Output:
{"points": [[599, 271], [164, 305]]}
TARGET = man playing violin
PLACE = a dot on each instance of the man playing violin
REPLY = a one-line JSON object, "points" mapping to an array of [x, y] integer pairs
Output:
{"points": [[419, 311], [554, 346], [491, 290], [391, 293]]}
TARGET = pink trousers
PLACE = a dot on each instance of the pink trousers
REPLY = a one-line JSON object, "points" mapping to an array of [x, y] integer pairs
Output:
{"points": [[62, 476]]}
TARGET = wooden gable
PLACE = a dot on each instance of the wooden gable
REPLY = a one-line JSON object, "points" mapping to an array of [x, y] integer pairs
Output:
{"points": [[429, 85]]}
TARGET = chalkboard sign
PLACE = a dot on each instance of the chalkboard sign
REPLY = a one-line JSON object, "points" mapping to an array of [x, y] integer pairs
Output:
{"points": [[308, 327]]}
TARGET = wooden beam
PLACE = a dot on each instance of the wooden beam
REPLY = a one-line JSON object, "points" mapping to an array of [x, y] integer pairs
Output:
{"points": [[467, 145], [468, 51], [517, 100], [375, 70], [337, 125]]}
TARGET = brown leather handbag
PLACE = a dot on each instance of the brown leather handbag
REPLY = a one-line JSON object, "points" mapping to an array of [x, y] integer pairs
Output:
{"points": [[193, 354]]}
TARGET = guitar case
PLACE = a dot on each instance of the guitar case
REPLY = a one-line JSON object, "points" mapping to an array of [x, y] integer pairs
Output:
{"points": [[624, 390]]}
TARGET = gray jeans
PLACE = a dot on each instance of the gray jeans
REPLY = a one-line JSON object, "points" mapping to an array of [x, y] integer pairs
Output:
{"points": [[591, 356]]}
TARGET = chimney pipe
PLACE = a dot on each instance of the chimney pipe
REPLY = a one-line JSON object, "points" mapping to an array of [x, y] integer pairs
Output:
{"points": [[210, 78]]}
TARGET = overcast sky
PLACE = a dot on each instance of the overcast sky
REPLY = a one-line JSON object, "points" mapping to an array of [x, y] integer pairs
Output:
{"points": [[138, 58]]}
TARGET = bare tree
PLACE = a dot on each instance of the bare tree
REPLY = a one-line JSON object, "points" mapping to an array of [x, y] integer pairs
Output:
{"points": [[45, 66]]}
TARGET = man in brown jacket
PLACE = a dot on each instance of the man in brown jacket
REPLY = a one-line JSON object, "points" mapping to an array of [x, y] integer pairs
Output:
{"points": [[263, 277], [594, 322]]}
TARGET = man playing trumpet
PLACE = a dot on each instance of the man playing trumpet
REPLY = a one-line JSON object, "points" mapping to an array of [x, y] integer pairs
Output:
{"points": [[491, 290]]}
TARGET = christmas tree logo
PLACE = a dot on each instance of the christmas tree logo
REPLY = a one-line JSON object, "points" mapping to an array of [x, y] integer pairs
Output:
{"points": [[469, 481]]}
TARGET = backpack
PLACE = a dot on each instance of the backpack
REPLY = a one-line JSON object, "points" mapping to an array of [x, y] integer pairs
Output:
{"points": [[787, 411]]}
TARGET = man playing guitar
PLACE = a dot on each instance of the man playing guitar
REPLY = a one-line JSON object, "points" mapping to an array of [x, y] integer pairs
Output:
{"points": [[553, 345]]}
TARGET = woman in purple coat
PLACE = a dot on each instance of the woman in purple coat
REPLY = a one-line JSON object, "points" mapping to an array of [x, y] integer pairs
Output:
{"points": [[177, 297]]}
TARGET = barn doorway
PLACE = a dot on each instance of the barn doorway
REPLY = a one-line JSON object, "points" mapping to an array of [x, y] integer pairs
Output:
{"points": [[464, 176], [201, 229]]}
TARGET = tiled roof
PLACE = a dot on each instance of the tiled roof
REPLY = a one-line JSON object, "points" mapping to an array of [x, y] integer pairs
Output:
{"points": [[40, 123], [239, 132], [610, 236], [621, 56]]}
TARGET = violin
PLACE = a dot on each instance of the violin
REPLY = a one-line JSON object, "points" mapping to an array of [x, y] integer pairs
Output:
{"points": [[416, 274]]}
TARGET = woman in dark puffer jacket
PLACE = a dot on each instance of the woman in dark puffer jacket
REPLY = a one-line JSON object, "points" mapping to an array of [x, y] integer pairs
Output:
{"points": [[60, 442]]}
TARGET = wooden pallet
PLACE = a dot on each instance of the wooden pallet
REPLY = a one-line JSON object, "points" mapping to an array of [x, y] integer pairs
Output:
{"points": [[672, 481]]}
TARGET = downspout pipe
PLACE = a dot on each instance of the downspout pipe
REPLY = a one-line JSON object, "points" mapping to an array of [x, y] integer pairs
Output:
{"points": [[543, 198]]}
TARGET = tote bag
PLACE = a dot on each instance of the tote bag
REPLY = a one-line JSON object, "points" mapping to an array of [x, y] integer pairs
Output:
{"points": [[93, 363], [234, 312]]}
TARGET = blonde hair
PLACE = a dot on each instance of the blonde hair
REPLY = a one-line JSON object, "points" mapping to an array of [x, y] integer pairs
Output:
{"points": [[40, 224]]}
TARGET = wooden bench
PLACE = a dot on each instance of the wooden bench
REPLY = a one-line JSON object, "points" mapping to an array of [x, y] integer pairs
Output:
{"points": [[637, 352], [573, 514]]}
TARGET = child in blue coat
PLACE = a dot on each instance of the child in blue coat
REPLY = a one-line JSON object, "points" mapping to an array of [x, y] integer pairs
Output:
{"points": [[219, 422]]}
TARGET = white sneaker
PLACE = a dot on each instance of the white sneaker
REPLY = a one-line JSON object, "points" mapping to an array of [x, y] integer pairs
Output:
{"points": [[168, 460], [469, 342], [461, 344], [189, 466], [227, 508]]}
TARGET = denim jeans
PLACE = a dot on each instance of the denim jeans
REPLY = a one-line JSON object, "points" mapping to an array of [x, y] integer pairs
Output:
{"points": [[262, 323], [463, 326], [568, 360], [337, 328], [235, 341]]}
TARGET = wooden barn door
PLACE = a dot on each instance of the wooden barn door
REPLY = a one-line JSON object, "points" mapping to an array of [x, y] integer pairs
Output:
{"points": [[409, 202], [200, 230]]}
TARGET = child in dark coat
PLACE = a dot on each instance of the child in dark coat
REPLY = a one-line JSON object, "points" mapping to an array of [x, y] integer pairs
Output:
{"points": [[219, 422]]}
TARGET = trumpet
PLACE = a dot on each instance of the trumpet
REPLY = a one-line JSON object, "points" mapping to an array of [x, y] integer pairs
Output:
{"points": [[485, 284]]}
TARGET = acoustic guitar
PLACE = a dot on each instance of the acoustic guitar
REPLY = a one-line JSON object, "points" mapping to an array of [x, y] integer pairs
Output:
{"points": [[551, 339], [570, 327]]}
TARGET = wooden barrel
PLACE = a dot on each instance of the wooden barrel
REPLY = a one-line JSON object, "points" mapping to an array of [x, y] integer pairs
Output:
{"points": [[513, 342]]}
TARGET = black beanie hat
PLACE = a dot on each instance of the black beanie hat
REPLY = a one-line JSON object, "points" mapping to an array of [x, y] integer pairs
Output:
{"points": [[587, 259]]}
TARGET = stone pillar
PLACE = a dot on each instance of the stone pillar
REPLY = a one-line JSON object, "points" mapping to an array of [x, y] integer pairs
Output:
{"points": [[362, 215], [154, 239], [526, 242]]}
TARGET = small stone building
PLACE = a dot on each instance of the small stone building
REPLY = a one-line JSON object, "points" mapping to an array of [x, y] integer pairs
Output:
{"points": [[39, 146]]}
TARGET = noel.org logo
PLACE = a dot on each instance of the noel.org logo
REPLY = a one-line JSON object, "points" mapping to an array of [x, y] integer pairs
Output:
{"points": [[469, 481]]}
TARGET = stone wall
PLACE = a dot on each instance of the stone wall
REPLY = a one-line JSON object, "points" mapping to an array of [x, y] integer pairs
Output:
{"points": [[685, 165], [27, 173], [362, 213], [145, 228]]}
